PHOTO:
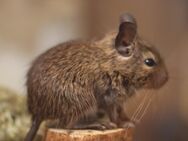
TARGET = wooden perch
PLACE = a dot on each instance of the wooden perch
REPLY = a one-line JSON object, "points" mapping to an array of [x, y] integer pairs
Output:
{"points": [[89, 135]]}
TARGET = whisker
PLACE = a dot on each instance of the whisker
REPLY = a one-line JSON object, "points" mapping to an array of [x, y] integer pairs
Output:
{"points": [[136, 112], [144, 105], [142, 108], [150, 98], [145, 110]]}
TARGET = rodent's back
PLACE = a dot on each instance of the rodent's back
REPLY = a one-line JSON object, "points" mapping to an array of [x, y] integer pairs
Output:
{"points": [[60, 81]]}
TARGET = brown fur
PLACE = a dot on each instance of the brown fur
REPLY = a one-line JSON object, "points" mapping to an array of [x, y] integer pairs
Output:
{"points": [[74, 79]]}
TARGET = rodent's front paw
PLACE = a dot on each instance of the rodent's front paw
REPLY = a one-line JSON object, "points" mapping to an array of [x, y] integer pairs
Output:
{"points": [[127, 124]]}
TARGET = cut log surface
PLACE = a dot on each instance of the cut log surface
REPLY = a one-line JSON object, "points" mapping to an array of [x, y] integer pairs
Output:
{"points": [[89, 135]]}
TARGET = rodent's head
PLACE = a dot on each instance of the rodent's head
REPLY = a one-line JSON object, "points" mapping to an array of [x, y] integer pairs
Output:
{"points": [[136, 58]]}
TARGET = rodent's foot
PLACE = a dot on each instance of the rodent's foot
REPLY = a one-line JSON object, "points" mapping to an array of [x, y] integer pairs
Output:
{"points": [[109, 125], [97, 126], [94, 126], [127, 124]]}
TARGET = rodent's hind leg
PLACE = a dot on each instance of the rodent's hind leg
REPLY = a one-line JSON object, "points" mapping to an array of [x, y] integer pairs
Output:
{"points": [[93, 126], [98, 121], [65, 123]]}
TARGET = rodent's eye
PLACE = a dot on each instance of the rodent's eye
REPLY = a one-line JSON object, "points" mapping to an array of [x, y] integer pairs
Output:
{"points": [[150, 62]]}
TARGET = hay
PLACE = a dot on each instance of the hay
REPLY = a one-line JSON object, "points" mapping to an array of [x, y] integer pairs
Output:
{"points": [[14, 119]]}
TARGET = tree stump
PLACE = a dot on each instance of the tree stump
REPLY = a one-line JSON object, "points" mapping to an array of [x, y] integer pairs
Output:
{"points": [[89, 135]]}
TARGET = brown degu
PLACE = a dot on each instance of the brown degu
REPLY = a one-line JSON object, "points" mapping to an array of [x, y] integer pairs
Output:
{"points": [[74, 79]]}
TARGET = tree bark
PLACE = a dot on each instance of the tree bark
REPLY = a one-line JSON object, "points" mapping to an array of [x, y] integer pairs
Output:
{"points": [[89, 135]]}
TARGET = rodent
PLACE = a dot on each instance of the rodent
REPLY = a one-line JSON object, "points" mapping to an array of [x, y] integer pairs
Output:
{"points": [[74, 79]]}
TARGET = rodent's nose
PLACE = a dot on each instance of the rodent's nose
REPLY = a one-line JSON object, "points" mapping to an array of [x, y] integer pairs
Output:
{"points": [[159, 79], [163, 78]]}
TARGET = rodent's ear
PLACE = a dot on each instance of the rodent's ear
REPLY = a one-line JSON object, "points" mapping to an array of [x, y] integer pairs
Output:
{"points": [[127, 30]]}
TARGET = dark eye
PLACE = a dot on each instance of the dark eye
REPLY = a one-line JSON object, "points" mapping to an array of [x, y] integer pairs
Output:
{"points": [[150, 62]]}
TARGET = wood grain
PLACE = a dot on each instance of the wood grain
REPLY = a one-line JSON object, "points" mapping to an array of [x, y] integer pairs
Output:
{"points": [[89, 135]]}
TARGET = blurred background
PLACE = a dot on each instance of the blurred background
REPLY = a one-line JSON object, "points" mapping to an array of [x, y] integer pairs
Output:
{"points": [[28, 27]]}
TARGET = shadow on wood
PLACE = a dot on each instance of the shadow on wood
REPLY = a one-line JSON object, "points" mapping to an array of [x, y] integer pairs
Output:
{"points": [[89, 135]]}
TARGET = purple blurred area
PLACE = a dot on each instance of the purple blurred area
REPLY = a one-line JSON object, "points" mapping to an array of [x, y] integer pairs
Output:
{"points": [[28, 27]]}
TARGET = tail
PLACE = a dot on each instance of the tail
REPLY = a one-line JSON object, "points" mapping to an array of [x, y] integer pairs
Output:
{"points": [[33, 130]]}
